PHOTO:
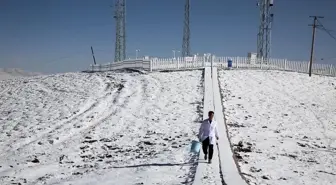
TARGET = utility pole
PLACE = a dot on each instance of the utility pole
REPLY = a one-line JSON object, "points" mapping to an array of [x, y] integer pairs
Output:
{"points": [[94, 59], [313, 42]]}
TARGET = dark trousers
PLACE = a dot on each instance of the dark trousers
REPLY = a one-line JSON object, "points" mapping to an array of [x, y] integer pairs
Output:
{"points": [[205, 146]]}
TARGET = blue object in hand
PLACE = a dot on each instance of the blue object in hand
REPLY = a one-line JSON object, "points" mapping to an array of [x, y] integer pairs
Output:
{"points": [[195, 146]]}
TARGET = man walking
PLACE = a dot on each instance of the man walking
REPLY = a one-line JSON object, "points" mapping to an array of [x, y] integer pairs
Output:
{"points": [[208, 133]]}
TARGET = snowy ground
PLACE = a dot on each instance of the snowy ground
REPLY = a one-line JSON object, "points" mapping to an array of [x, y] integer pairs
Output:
{"points": [[283, 126], [105, 128]]}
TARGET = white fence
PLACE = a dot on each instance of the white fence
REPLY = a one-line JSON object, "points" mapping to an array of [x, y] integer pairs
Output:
{"points": [[178, 63], [277, 64], [158, 64]]}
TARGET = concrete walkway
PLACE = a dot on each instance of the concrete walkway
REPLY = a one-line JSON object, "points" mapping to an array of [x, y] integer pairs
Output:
{"points": [[223, 169]]}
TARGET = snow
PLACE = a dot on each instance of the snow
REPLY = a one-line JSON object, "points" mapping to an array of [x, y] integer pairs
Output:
{"points": [[282, 125], [134, 128], [100, 128]]}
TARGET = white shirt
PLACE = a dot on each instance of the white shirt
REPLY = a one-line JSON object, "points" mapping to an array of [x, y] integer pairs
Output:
{"points": [[208, 129]]}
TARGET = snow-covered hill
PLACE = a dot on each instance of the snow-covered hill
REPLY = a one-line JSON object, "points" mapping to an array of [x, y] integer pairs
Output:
{"points": [[10, 73], [132, 128], [105, 128], [282, 125]]}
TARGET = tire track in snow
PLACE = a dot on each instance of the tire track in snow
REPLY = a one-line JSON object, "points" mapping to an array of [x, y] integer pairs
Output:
{"points": [[150, 118], [103, 104], [126, 99], [46, 134], [145, 101], [122, 102], [141, 99], [114, 102], [138, 90], [89, 106], [13, 86], [145, 93], [139, 123]]}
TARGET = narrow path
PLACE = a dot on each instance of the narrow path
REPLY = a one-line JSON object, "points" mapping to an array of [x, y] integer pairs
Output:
{"points": [[223, 170], [208, 174]]}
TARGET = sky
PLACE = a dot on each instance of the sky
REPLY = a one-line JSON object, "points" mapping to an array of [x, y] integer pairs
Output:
{"points": [[53, 36]]}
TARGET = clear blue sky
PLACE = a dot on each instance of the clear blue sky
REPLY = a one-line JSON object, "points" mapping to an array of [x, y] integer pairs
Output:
{"points": [[56, 35]]}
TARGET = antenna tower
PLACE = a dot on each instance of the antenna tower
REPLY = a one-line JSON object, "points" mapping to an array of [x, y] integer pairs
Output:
{"points": [[264, 35], [120, 42], [186, 31]]}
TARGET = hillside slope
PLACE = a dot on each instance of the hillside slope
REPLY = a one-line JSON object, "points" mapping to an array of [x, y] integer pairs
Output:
{"points": [[282, 126], [105, 128]]}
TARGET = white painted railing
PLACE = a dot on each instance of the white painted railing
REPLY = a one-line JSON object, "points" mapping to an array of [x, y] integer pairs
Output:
{"points": [[180, 63], [177, 63], [276, 64]]}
